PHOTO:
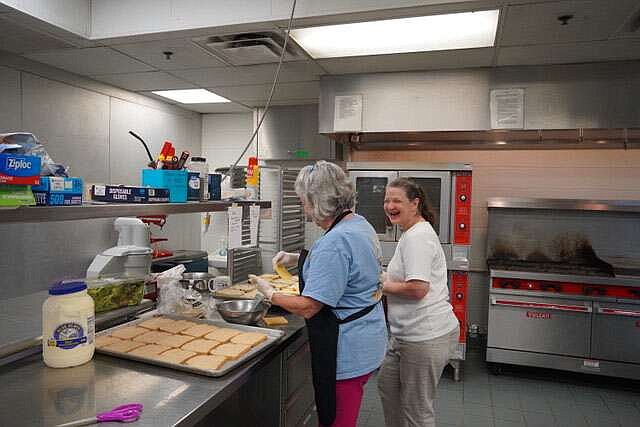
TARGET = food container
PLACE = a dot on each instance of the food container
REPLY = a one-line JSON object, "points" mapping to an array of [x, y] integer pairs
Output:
{"points": [[244, 312], [174, 180], [201, 282], [68, 325], [111, 293]]}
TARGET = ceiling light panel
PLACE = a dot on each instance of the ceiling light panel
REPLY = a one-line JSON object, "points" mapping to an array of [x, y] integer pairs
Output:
{"points": [[191, 96], [418, 34]]}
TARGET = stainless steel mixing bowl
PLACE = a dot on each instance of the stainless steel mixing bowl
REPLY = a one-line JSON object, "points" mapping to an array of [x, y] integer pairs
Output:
{"points": [[245, 312]]}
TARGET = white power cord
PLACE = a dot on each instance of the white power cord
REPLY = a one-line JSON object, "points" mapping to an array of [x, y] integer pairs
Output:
{"points": [[273, 88]]}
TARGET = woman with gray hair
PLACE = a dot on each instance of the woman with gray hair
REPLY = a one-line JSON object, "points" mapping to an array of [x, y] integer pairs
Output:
{"points": [[339, 285]]}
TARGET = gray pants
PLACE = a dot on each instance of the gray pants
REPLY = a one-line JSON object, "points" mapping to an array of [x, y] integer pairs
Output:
{"points": [[409, 377]]}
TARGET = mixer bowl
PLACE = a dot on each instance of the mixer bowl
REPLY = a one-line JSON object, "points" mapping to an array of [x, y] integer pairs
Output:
{"points": [[244, 312]]}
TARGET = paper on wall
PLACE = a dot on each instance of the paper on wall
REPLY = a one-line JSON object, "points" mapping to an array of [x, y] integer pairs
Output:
{"points": [[234, 214], [254, 220]]}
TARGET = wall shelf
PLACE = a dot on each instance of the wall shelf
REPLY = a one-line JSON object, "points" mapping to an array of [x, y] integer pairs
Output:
{"points": [[112, 210]]}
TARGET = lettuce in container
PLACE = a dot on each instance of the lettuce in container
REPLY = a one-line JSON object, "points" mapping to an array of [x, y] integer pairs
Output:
{"points": [[115, 292]]}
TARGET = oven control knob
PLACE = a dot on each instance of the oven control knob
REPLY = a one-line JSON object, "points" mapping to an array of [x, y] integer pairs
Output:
{"points": [[459, 296], [463, 197], [462, 226]]}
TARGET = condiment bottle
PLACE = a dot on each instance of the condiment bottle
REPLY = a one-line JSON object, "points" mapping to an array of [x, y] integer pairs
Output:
{"points": [[68, 325]]}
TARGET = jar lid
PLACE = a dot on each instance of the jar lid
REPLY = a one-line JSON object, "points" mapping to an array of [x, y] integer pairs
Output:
{"points": [[65, 288], [198, 159]]}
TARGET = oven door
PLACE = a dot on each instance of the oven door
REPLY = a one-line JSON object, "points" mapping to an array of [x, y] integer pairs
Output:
{"points": [[616, 332], [540, 324], [437, 188], [370, 188]]}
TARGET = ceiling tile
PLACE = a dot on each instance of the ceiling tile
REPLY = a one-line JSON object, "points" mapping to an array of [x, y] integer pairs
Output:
{"points": [[538, 23], [185, 54], [92, 61], [253, 74], [608, 50], [464, 58], [257, 94], [153, 80], [20, 39]]}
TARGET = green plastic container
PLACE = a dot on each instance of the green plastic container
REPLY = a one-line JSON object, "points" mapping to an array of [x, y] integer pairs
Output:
{"points": [[111, 293]]}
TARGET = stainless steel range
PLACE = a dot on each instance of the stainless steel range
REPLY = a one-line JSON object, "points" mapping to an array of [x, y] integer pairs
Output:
{"points": [[564, 285]]}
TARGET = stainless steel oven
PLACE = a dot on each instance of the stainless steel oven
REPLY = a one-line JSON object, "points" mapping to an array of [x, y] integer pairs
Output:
{"points": [[564, 289], [448, 191]]}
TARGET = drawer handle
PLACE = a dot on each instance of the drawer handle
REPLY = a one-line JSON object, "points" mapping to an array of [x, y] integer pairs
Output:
{"points": [[616, 312], [307, 419], [546, 306]]}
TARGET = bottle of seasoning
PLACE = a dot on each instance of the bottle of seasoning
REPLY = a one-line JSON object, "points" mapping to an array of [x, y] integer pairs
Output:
{"points": [[68, 325], [199, 164]]}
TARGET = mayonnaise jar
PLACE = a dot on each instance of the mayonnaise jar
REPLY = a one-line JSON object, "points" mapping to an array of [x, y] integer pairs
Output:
{"points": [[68, 325]]}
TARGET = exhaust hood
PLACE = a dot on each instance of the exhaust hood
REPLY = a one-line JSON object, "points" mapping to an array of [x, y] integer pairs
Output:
{"points": [[559, 107], [542, 139]]}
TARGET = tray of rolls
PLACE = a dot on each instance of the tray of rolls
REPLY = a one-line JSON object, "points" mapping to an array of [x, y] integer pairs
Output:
{"points": [[206, 347], [246, 290]]}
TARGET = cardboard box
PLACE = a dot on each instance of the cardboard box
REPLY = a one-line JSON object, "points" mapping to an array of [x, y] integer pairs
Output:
{"points": [[17, 169], [174, 180], [16, 195], [129, 194], [58, 191]]}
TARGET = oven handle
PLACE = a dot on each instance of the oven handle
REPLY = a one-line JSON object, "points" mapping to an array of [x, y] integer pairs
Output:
{"points": [[617, 312], [541, 305]]}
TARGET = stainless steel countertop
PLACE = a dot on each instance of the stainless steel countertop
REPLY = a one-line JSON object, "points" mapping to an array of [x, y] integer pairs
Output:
{"points": [[35, 395]]}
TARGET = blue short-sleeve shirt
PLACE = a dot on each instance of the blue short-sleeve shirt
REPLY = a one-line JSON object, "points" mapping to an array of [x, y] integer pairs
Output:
{"points": [[342, 270]]}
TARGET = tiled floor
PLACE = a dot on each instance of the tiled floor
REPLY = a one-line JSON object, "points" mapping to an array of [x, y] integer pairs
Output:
{"points": [[523, 397]]}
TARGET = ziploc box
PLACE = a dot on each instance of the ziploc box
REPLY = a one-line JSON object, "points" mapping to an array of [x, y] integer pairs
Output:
{"points": [[129, 194], [58, 191], [19, 169], [174, 180]]}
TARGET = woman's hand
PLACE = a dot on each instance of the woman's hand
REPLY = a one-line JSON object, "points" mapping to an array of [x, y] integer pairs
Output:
{"points": [[286, 259], [412, 289], [263, 287]]}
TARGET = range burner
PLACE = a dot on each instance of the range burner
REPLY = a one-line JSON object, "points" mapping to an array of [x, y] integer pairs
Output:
{"points": [[549, 267]]}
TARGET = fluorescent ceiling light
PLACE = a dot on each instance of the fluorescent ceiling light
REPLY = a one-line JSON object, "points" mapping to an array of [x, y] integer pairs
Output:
{"points": [[419, 34], [191, 96]]}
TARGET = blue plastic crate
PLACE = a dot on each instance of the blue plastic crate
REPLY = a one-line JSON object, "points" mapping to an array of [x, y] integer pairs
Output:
{"points": [[174, 180]]}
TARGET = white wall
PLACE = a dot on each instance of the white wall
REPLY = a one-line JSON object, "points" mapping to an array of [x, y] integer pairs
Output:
{"points": [[70, 15], [224, 136]]}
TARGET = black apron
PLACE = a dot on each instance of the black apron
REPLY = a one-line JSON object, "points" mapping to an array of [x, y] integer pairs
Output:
{"points": [[323, 329]]}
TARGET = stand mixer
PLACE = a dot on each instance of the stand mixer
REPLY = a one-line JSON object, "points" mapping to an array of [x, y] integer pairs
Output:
{"points": [[132, 255]]}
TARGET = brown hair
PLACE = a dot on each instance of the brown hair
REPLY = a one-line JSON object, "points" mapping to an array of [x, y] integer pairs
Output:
{"points": [[414, 191]]}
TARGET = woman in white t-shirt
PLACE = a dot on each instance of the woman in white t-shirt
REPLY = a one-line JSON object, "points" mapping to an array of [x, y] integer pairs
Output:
{"points": [[424, 330]]}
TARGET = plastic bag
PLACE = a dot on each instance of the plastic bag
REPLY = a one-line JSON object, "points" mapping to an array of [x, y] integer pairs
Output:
{"points": [[170, 293], [27, 144]]}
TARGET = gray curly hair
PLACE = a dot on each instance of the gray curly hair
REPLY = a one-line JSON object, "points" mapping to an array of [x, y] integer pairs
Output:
{"points": [[326, 188]]}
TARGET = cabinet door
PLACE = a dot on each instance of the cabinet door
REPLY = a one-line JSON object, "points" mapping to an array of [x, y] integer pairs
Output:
{"points": [[370, 188], [616, 332], [544, 325]]}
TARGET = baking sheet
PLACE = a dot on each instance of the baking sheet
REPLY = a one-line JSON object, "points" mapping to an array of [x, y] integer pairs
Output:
{"points": [[273, 336]]}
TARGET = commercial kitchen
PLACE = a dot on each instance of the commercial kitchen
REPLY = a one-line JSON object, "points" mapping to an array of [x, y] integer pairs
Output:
{"points": [[149, 151]]}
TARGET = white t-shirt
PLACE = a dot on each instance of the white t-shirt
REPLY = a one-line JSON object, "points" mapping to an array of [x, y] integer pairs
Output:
{"points": [[419, 256]]}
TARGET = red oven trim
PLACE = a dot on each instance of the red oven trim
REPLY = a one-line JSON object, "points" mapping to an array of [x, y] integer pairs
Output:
{"points": [[462, 209]]}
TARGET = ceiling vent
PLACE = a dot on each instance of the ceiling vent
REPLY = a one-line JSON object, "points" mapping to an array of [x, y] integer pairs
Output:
{"points": [[262, 47]]}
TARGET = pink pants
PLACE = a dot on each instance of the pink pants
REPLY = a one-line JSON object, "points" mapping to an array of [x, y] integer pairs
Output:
{"points": [[348, 399]]}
